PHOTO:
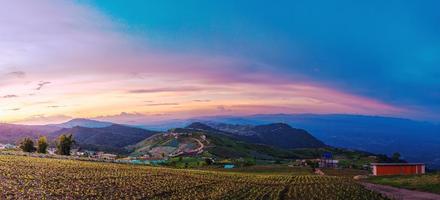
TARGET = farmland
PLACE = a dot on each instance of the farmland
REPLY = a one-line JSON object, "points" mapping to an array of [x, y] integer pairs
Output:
{"points": [[37, 178]]}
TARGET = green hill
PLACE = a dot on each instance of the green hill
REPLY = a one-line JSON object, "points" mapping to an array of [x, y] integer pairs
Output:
{"points": [[212, 143]]}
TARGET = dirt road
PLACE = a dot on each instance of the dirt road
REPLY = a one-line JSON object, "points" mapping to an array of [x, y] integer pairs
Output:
{"points": [[401, 194]]}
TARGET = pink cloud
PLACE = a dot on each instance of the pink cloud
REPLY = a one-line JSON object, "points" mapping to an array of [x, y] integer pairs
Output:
{"points": [[89, 61]]}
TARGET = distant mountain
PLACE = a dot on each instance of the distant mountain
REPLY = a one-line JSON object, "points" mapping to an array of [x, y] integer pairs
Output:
{"points": [[88, 123], [416, 141], [13, 133], [112, 138], [278, 134]]}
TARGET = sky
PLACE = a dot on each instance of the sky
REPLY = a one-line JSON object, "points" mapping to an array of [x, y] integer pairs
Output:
{"points": [[145, 60]]}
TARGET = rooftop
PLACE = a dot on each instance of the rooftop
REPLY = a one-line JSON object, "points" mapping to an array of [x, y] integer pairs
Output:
{"points": [[392, 164]]}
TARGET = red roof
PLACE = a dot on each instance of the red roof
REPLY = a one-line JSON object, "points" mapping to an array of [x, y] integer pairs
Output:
{"points": [[393, 164]]}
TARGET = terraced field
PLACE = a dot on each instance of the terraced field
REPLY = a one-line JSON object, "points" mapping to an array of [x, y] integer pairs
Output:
{"points": [[36, 178]]}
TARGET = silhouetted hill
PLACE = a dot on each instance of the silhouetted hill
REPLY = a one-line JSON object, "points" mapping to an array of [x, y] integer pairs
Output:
{"points": [[12, 133], [107, 138], [201, 126], [88, 123]]}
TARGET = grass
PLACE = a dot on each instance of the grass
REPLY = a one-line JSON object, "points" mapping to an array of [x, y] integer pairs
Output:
{"points": [[44, 178], [427, 182]]}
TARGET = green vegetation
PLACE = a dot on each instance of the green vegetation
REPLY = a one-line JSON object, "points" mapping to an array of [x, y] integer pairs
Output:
{"points": [[427, 182], [27, 145], [186, 162], [38, 178], [42, 145], [64, 144]]}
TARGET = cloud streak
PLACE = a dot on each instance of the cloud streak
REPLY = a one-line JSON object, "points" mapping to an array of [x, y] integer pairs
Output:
{"points": [[10, 96], [41, 84], [169, 89]]}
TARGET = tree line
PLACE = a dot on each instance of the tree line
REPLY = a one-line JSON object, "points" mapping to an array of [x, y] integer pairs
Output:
{"points": [[64, 144]]}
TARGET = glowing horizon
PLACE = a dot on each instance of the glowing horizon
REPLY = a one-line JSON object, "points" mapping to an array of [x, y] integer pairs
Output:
{"points": [[63, 60]]}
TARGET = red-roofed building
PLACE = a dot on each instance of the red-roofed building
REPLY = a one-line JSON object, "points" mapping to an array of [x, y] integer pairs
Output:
{"points": [[383, 169]]}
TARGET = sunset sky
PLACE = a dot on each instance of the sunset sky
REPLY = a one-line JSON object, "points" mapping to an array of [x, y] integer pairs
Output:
{"points": [[128, 61]]}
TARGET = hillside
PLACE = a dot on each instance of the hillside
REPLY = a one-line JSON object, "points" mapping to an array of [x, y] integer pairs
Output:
{"points": [[170, 144], [381, 135], [278, 134], [12, 133], [112, 138], [88, 123], [215, 143], [184, 141]]}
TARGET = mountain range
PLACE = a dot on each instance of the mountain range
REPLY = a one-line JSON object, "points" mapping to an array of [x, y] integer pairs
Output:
{"points": [[110, 137], [416, 141], [201, 139]]}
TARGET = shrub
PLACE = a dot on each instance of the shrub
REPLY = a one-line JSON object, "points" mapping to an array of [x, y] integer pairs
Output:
{"points": [[27, 145], [42, 145]]}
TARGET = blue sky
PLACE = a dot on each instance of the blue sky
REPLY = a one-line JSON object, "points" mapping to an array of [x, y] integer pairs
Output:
{"points": [[231, 57], [389, 50]]}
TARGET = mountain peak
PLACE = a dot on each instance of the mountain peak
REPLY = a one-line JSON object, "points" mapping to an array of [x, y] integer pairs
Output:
{"points": [[83, 122], [274, 126], [200, 126]]}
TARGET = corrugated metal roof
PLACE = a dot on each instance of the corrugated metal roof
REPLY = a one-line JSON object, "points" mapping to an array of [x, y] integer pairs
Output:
{"points": [[394, 164]]}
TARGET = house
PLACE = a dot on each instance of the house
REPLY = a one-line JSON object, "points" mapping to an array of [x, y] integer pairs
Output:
{"points": [[107, 156], [383, 169], [7, 146], [89, 153], [51, 151], [229, 166], [328, 163]]}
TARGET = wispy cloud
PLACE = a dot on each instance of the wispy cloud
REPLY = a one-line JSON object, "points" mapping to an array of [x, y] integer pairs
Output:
{"points": [[162, 104], [17, 74], [55, 106], [168, 89], [10, 96], [41, 84], [202, 100]]}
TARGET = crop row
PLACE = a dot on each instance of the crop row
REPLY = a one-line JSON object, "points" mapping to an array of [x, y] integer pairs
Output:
{"points": [[35, 178]]}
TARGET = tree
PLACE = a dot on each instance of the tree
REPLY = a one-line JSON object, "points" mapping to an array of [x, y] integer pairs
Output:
{"points": [[209, 161], [42, 145], [396, 157], [64, 144], [27, 145]]}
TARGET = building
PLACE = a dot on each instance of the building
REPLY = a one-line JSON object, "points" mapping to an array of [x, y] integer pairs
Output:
{"points": [[328, 163], [51, 151], [107, 156], [383, 169], [229, 166], [7, 146]]}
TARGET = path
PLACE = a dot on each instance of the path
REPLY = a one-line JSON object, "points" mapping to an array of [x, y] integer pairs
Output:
{"points": [[401, 194]]}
